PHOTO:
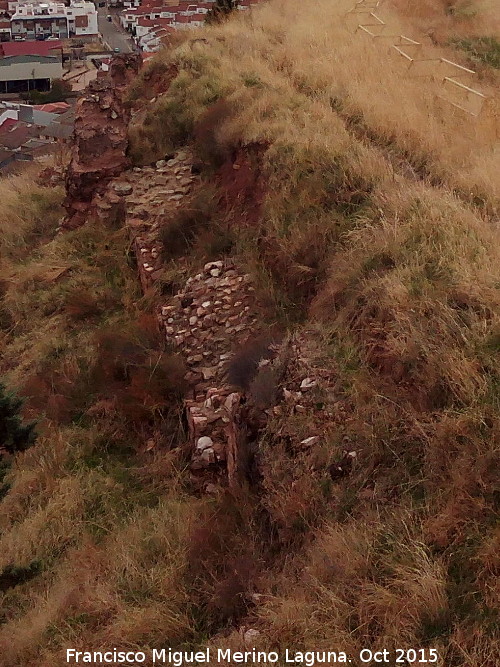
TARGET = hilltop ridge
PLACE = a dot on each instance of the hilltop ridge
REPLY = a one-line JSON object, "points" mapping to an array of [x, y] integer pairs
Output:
{"points": [[264, 358]]}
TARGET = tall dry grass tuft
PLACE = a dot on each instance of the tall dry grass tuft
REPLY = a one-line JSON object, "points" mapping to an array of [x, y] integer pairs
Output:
{"points": [[451, 18], [27, 211]]}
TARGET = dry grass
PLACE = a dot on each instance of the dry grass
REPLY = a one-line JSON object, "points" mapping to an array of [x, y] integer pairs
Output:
{"points": [[451, 18], [27, 211], [276, 64], [378, 224], [370, 219], [101, 383]]}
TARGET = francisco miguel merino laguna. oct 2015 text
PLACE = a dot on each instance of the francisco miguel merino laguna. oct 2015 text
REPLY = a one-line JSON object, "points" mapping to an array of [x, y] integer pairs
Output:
{"points": [[253, 657]]}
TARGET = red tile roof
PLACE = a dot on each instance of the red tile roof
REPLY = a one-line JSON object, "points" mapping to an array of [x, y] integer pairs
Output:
{"points": [[7, 125], [30, 48], [16, 136], [144, 22], [52, 107]]}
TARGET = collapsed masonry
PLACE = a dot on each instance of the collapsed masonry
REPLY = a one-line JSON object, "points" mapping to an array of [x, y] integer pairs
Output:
{"points": [[209, 321], [99, 139], [214, 316]]}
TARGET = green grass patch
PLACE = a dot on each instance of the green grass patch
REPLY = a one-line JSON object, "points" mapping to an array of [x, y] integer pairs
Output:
{"points": [[484, 50]]}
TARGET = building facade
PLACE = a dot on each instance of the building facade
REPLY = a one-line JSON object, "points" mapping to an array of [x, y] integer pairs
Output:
{"points": [[19, 74], [42, 20], [31, 21]]}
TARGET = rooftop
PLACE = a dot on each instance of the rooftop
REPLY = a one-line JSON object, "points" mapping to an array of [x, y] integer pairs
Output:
{"points": [[14, 60], [45, 48], [17, 135], [53, 107]]}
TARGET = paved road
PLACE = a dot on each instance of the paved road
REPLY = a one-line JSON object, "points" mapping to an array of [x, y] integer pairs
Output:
{"points": [[111, 33]]}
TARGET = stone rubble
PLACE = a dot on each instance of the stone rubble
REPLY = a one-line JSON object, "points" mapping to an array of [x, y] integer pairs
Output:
{"points": [[311, 390], [148, 195], [99, 140], [216, 313], [207, 321], [210, 319]]}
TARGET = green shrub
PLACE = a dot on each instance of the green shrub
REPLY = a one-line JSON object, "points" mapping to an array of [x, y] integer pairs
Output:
{"points": [[221, 10], [58, 93], [15, 436], [484, 50]]}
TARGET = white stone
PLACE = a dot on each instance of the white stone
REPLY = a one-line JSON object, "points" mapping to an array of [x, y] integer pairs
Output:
{"points": [[122, 188], [160, 164], [208, 455], [307, 383], [309, 442], [204, 442], [193, 320], [213, 265], [250, 635], [231, 400], [206, 304]]}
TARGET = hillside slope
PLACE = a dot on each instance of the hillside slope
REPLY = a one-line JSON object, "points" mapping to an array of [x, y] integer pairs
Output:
{"points": [[364, 210]]}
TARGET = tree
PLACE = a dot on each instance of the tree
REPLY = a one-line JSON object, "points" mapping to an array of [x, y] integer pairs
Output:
{"points": [[58, 93], [221, 10], [15, 436]]}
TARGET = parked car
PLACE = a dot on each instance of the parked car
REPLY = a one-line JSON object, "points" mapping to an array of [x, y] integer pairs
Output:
{"points": [[109, 18]]}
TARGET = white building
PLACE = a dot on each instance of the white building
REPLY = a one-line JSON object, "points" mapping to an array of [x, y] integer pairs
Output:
{"points": [[82, 19], [25, 73], [31, 20]]}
